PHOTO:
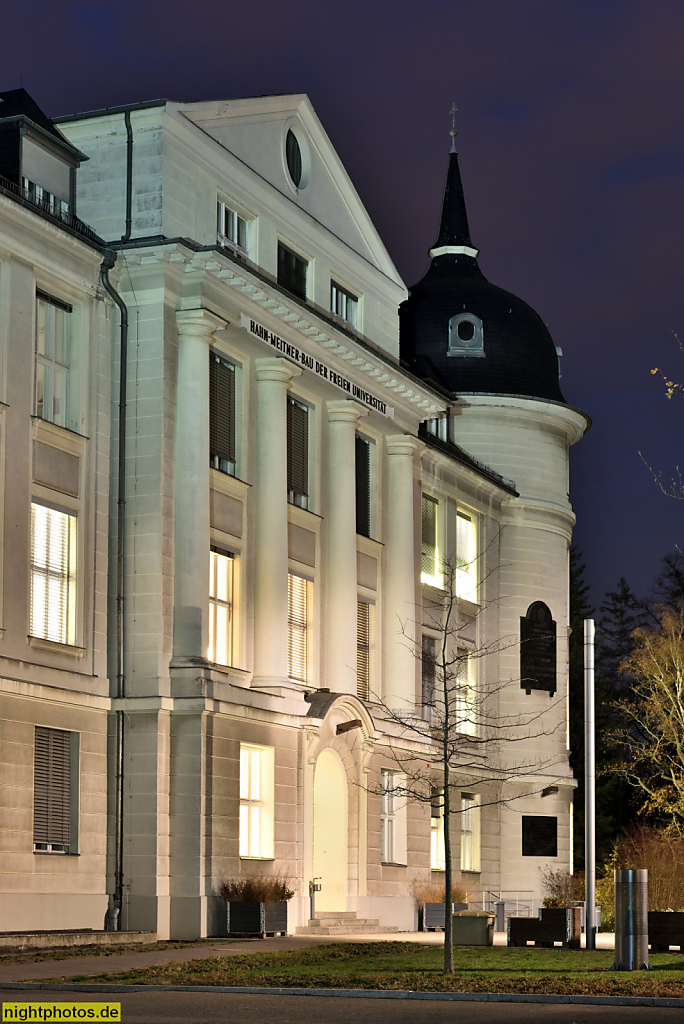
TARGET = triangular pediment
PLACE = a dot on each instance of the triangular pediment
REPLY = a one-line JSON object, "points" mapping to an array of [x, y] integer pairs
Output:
{"points": [[254, 131]]}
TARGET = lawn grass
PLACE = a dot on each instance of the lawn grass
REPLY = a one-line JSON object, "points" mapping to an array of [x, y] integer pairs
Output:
{"points": [[409, 966], [35, 956]]}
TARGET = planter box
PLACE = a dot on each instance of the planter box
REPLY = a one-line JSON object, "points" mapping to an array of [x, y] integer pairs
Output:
{"points": [[433, 914], [256, 918], [553, 925], [665, 929], [473, 928]]}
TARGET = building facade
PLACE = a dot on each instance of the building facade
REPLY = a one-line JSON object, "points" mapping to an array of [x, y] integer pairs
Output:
{"points": [[301, 482]]}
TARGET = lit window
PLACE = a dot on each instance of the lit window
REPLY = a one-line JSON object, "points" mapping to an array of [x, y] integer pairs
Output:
{"points": [[221, 608], [428, 674], [363, 503], [52, 360], [53, 574], [55, 791], [221, 414], [231, 228], [48, 201], [466, 557], [292, 271], [439, 426], [470, 832], [464, 705], [430, 569], [392, 817], [437, 861], [257, 798], [297, 453], [343, 304], [364, 648], [298, 627]]}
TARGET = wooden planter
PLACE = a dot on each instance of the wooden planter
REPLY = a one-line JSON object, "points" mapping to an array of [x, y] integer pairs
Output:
{"points": [[433, 915], [257, 918], [665, 929]]}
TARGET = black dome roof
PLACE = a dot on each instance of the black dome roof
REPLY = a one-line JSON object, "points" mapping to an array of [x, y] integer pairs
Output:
{"points": [[507, 349]]}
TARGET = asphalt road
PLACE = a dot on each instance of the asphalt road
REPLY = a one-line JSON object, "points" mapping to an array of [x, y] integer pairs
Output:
{"points": [[212, 1008]]}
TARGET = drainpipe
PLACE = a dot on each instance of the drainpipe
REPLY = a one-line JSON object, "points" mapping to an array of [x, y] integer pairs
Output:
{"points": [[129, 176]]}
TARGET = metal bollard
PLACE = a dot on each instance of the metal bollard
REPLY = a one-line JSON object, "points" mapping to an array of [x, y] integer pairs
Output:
{"points": [[500, 910], [631, 920]]}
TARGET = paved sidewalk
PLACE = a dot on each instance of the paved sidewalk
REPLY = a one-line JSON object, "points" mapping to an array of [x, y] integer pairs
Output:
{"points": [[93, 965]]}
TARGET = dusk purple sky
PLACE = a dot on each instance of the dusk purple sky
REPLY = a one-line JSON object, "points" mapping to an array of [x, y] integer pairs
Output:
{"points": [[571, 135]]}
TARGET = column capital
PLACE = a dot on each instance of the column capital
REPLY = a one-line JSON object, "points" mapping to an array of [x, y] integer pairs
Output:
{"points": [[403, 444], [345, 411], [198, 322], [277, 370]]}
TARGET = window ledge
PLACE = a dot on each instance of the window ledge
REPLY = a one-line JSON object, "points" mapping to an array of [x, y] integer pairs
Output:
{"points": [[245, 857], [392, 864], [52, 645], [54, 853]]}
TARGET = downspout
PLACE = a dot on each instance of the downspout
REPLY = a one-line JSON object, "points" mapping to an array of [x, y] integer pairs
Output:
{"points": [[113, 919]]}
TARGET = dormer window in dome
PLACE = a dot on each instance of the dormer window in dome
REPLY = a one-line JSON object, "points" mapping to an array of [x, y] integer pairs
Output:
{"points": [[466, 336]]}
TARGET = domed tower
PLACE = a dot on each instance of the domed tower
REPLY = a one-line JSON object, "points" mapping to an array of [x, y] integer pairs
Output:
{"points": [[494, 354]]}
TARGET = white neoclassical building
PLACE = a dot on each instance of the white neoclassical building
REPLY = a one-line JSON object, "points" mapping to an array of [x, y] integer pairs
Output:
{"points": [[302, 464]]}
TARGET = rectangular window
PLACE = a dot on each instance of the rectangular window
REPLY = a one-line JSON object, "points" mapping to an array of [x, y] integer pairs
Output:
{"points": [[363, 509], [52, 360], [464, 703], [343, 303], [466, 557], [437, 861], [55, 791], [428, 675], [392, 817], [231, 229], [221, 606], [257, 800], [364, 648], [470, 832], [292, 271], [221, 414], [539, 836], [53, 574], [297, 453], [430, 569], [299, 607]]}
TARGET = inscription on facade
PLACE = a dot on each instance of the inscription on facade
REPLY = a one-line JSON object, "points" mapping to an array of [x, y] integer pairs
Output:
{"points": [[538, 649]]}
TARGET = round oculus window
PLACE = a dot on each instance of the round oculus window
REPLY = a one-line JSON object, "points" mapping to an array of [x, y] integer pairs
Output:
{"points": [[466, 330], [293, 155]]}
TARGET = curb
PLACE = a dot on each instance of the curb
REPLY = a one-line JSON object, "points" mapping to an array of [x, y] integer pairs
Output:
{"points": [[354, 993]]}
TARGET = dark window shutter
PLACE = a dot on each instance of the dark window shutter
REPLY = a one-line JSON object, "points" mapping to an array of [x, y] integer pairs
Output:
{"points": [[52, 787], [293, 155], [362, 650], [362, 487], [292, 271], [429, 652], [221, 409], [539, 836], [297, 448], [429, 530]]}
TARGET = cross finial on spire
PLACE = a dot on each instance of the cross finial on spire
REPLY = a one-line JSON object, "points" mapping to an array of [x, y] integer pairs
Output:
{"points": [[453, 133]]}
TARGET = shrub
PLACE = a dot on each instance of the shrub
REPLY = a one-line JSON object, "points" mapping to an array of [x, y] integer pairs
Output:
{"points": [[561, 885], [255, 889], [554, 902], [434, 892]]}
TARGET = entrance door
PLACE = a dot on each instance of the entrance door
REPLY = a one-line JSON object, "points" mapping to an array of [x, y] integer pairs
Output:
{"points": [[330, 832]]}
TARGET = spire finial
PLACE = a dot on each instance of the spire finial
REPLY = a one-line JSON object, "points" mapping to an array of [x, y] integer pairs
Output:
{"points": [[453, 133]]}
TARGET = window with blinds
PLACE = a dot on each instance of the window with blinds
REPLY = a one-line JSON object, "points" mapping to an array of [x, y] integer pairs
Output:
{"points": [[364, 648], [292, 271], [428, 673], [363, 503], [52, 360], [298, 627], [55, 790], [53, 582], [231, 229], [297, 453], [437, 859], [221, 606], [466, 557], [222, 414], [257, 801], [429, 566], [463, 702], [343, 303], [46, 169], [470, 832]]}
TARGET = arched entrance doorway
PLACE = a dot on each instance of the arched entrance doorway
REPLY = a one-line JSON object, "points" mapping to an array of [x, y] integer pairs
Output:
{"points": [[330, 832]]}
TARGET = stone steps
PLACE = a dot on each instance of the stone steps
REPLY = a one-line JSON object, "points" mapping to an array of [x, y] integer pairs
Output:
{"points": [[327, 923]]}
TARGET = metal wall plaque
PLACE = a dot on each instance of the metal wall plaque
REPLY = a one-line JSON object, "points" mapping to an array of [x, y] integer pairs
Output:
{"points": [[538, 649]]}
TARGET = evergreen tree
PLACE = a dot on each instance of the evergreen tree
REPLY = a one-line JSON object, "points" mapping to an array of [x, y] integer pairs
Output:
{"points": [[668, 587]]}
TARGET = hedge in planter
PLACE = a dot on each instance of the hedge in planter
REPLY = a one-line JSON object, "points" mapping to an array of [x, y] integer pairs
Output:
{"points": [[256, 905]]}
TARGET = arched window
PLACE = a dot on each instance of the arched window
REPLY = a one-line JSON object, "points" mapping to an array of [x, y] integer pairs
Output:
{"points": [[466, 336], [538, 649]]}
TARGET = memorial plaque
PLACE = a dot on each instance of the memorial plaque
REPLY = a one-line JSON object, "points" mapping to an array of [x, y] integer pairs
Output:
{"points": [[538, 649], [539, 836]]}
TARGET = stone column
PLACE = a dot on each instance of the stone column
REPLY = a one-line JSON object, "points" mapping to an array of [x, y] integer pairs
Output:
{"points": [[270, 525], [341, 587], [401, 633], [191, 563]]}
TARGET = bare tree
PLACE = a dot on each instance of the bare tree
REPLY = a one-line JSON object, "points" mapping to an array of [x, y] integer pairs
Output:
{"points": [[461, 738], [675, 487]]}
